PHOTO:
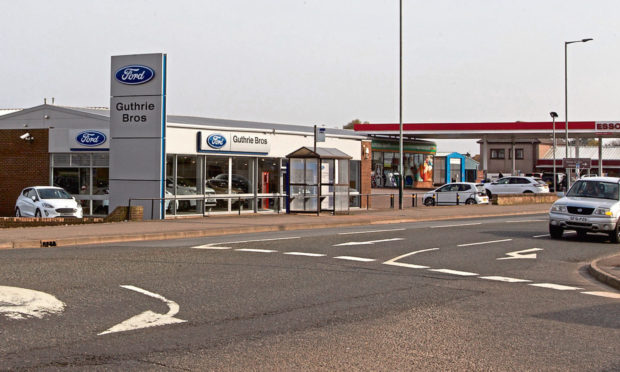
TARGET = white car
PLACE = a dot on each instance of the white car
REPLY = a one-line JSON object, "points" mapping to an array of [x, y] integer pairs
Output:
{"points": [[516, 185], [468, 193], [47, 201], [591, 205]]}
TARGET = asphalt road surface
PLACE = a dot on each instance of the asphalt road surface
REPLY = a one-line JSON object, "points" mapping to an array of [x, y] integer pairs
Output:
{"points": [[478, 294]]}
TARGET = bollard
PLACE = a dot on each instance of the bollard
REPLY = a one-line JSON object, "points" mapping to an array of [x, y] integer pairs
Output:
{"points": [[435, 201], [240, 206], [367, 201], [392, 201], [412, 200], [458, 198]]}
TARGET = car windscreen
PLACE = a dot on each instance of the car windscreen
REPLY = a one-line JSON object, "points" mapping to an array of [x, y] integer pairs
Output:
{"points": [[53, 194], [594, 189]]}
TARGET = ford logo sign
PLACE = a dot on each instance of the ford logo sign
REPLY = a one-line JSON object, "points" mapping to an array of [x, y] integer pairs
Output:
{"points": [[216, 141], [91, 138], [134, 74]]}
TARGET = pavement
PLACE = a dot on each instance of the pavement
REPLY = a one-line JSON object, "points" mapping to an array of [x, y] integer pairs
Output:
{"points": [[606, 269]]}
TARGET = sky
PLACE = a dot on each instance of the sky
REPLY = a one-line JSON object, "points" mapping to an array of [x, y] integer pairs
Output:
{"points": [[325, 62]]}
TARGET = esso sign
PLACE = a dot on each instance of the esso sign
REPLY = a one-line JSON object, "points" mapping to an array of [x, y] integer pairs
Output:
{"points": [[608, 127]]}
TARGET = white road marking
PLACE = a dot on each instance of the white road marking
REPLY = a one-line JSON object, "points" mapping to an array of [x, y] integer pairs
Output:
{"points": [[21, 303], [519, 221], [603, 294], [305, 254], [368, 232], [454, 272], [350, 258], [368, 242], [147, 318], [255, 250], [541, 236], [462, 224], [559, 287], [488, 242], [505, 279], [518, 254], [211, 245], [412, 266]]}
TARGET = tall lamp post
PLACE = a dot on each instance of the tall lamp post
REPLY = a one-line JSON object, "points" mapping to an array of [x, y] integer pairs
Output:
{"points": [[553, 116], [566, 101], [401, 167]]}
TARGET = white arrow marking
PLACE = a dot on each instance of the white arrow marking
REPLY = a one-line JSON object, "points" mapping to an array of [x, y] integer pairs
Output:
{"points": [[411, 266], [21, 303], [519, 255], [147, 318], [368, 242]]}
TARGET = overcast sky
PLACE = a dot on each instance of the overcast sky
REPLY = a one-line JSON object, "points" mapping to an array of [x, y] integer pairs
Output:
{"points": [[325, 61]]}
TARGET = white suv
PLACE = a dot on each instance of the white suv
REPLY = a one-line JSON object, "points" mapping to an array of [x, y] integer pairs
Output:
{"points": [[516, 185], [47, 201], [591, 205]]}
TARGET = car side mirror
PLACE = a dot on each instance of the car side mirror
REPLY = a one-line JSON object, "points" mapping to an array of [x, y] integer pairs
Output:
{"points": [[34, 198]]}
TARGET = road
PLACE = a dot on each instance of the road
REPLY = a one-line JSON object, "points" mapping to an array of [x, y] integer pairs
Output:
{"points": [[477, 294]]}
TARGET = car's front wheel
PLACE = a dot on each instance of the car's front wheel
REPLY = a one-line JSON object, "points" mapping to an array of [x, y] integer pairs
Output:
{"points": [[37, 213], [615, 235], [429, 202], [18, 213], [528, 192], [555, 232], [470, 201]]}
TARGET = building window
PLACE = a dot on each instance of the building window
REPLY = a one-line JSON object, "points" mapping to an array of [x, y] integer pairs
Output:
{"points": [[86, 177], [498, 153], [518, 154]]}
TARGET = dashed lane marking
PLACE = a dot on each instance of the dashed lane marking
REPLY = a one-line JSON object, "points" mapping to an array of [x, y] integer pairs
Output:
{"points": [[559, 287], [350, 258], [454, 272], [369, 242], [212, 245], [487, 242], [523, 221], [461, 224], [255, 250], [505, 279], [411, 266], [541, 236], [368, 232], [603, 294], [305, 254]]}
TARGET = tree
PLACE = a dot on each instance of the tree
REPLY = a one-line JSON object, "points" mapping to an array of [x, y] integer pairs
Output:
{"points": [[353, 122]]}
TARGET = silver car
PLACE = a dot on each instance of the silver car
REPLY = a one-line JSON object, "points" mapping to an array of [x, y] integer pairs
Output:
{"points": [[461, 192], [516, 185], [591, 205]]}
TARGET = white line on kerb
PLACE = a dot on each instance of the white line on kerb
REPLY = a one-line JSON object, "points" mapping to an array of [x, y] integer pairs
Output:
{"points": [[411, 266], [480, 243], [454, 272], [255, 250], [305, 254], [350, 258], [559, 287], [462, 224], [368, 232]]}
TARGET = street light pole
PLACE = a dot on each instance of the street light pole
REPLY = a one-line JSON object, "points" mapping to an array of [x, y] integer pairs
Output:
{"points": [[553, 116], [400, 111], [566, 102]]}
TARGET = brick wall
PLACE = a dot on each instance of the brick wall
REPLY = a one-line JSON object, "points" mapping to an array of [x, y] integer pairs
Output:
{"points": [[22, 164], [366, 168]]}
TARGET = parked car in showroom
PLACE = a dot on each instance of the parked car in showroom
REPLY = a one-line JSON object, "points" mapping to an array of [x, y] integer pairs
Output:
{"points": [[592, 205], [47, 201], [516, 185], [468, 193]]}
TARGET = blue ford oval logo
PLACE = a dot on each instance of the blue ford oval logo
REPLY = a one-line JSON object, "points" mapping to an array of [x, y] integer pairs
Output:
{"points": [[216, 141], [134, 74], [91, 138]]}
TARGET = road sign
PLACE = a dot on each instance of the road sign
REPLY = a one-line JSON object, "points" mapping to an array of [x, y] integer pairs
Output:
{"points": [[577, 163]]}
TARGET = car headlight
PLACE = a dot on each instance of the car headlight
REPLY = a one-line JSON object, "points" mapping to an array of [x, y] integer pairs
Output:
{"points": [[603, 212], [558, 208], [47, 205]]}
